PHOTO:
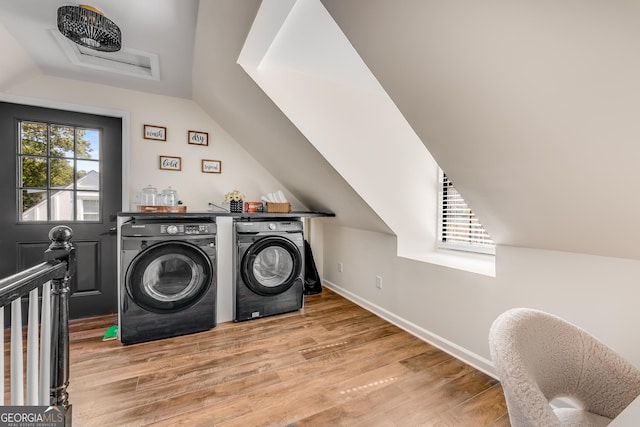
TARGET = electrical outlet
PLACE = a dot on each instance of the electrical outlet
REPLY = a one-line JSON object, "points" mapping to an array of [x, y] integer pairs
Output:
{"points": [[379, 282], [340, 267]]}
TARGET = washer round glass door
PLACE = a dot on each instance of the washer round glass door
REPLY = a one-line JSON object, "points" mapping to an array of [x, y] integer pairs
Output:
{"points": [[169, 276], [271, 265]]}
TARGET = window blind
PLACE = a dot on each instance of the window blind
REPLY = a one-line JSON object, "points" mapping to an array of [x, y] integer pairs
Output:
{"points": [[459, 228]]}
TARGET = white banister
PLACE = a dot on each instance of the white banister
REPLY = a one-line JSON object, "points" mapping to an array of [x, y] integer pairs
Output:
{"points": [[38, 384], [32, 349], [17, 387], [45, 346]]}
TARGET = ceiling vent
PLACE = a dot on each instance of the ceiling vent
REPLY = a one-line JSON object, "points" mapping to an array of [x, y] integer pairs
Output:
{"points": [[126, 61]]}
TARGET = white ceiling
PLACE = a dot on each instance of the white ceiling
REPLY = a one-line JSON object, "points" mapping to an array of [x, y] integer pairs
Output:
{"points": [[165, 28]]}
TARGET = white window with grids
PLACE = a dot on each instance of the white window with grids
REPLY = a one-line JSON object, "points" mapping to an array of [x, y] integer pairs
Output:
{"points": [[458, 227]]}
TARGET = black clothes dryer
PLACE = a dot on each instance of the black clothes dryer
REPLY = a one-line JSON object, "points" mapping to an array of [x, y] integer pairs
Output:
{"points": [[168, 278], [268, 267]]}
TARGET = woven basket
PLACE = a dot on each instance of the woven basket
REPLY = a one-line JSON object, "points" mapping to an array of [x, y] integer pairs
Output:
{"points": [[278, 207]]}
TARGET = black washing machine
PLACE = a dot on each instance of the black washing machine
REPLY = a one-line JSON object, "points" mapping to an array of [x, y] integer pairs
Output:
{"points": [[268, 267], [168, 278]]}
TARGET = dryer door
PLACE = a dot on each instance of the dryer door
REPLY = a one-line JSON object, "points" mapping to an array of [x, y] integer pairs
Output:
{"points": [[169, 276], [271, 265]]}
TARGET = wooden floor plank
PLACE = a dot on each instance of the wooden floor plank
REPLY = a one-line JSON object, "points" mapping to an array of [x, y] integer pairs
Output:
{"points": [[330, 364], [485, 408]]}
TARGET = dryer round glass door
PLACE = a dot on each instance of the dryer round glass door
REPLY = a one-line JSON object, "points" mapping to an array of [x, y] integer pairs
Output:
{"points": [[169, 276], [271, 265]]}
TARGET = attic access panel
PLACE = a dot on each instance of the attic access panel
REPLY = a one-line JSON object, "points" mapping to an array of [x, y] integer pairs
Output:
{"points": [[131, 62]]}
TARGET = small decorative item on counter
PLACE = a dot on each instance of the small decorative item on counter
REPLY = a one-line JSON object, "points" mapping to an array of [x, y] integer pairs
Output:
{"points": [[234, 198], [235, 206], [253, 206], [276, 202], [149, 196], [274, 207], [169, 197], [167, 201]]}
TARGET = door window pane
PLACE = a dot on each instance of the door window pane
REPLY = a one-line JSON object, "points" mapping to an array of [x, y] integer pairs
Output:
{"points": [[34, 205], [88, 205], [87, 175], [61, 208], [88, 143], [33, 138], [33, 172], [59, 171], [62, 141]]}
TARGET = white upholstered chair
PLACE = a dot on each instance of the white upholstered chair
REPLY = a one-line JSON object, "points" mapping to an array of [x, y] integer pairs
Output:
{"points": [[540, 357]]}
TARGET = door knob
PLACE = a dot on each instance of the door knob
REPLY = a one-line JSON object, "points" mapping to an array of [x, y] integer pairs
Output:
{"points": [[112, 232]]}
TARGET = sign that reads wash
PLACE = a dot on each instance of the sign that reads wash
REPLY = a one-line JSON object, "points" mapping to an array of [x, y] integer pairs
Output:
{"points": [[31, 416]]}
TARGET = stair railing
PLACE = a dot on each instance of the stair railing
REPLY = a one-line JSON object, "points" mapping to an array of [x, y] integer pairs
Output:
{"points": [[47, 358]]}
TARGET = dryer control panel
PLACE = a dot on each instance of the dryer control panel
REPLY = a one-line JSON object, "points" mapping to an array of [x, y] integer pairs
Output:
{"points": [[252, 227]]}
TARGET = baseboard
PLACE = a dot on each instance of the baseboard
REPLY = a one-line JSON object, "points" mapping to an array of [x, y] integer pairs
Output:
{"points": [[443, 344]]}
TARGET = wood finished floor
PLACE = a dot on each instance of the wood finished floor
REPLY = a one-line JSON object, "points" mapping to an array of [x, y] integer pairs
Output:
{"points": [[332, 364]]}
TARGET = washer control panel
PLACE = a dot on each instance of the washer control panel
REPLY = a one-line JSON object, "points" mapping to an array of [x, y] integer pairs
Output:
{"points": [[161, 228], [184, 229]]}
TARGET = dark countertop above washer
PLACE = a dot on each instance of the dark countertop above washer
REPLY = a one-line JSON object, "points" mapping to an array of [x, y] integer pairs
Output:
{"points": [[257, 215]]}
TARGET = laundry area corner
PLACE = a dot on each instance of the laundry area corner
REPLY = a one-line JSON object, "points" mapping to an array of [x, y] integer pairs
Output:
{"points": [[182, 273]]}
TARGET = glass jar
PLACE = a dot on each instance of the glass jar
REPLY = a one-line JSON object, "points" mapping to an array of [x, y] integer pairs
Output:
{"points": [[169, 197], [149, 196]]}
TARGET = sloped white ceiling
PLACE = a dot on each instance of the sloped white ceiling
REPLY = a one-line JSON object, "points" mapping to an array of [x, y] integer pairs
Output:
{"points": [[17, 65], [228, 94], [531, 107], [163, 28], [313, 74]]}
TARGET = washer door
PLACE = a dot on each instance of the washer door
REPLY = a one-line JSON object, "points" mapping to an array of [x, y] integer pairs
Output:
{"points": [[169, 277], [271, 265]]}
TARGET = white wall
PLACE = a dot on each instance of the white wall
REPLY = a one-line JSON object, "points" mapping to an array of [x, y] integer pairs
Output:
{"points": [[454, 309], [239, 170]]}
